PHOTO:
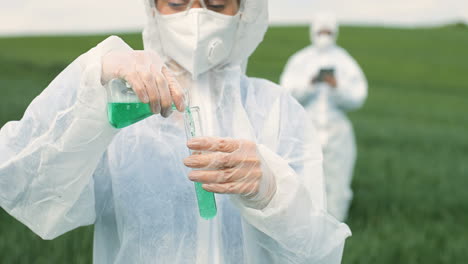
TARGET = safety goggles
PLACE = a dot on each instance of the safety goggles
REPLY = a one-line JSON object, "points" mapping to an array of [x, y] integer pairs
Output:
{"points": [[326, 32], [184, 5]]}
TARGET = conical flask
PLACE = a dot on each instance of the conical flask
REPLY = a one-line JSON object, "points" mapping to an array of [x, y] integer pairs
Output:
{"points": [[124, 108]]}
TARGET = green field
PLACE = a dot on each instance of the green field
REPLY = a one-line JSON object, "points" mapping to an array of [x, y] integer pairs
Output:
{"points": [[411, 198]]}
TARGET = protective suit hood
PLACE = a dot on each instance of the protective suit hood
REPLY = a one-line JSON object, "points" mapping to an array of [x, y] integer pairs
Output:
{"points": [[252, 26], [320, 22]]}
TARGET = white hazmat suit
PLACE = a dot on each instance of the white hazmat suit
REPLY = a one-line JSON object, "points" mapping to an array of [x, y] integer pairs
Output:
{"points": [[63, 166], [327, 106]]}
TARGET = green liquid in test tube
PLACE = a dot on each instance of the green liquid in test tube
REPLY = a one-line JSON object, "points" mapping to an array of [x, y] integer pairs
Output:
{"points": [[206, 200]]}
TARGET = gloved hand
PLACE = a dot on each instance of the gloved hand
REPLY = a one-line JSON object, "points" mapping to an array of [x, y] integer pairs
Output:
{"points": [[151, 80], [331, 80], [230, 166]]}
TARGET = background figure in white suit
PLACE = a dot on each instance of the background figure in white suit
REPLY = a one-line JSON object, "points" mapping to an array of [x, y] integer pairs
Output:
{"points": [[329, 82]]}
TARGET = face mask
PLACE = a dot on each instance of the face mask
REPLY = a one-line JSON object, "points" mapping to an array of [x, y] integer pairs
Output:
{"points": [[197, 39], [324, 41]]}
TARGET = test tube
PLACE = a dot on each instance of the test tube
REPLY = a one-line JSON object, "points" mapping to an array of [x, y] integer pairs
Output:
{"points": [[206, 200]]}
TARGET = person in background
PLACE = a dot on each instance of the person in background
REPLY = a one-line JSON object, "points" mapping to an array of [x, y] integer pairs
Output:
{"points": [[328, 82], [63, 165]]}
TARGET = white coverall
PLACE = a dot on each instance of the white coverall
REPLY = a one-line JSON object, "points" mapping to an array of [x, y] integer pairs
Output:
{"points": [[327, 107], [63, 166]]}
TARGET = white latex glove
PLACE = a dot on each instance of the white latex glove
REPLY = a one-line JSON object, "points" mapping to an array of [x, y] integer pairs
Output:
{"points": [[231, 166], [151, 80]]}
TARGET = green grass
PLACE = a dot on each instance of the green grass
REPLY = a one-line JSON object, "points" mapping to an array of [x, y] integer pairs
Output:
{"points": [[411, 203]]}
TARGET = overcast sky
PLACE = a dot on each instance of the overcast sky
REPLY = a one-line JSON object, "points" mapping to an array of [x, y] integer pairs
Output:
{"points": [[72, 16]]}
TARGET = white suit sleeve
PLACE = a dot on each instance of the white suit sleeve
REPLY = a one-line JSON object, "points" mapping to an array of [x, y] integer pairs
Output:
{"points": [[295, 227], [295, 79], [47, 159], [351, 92]]}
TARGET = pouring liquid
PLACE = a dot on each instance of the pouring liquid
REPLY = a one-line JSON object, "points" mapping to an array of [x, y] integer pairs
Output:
{"points": [[125, 114]]}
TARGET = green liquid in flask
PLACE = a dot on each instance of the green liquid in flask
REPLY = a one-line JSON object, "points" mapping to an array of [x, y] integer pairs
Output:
{"points": [[125, 114]]}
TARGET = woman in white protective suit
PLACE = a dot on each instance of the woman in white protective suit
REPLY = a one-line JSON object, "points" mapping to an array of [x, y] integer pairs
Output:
{"points": [[329, 82], [63, 166]]}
